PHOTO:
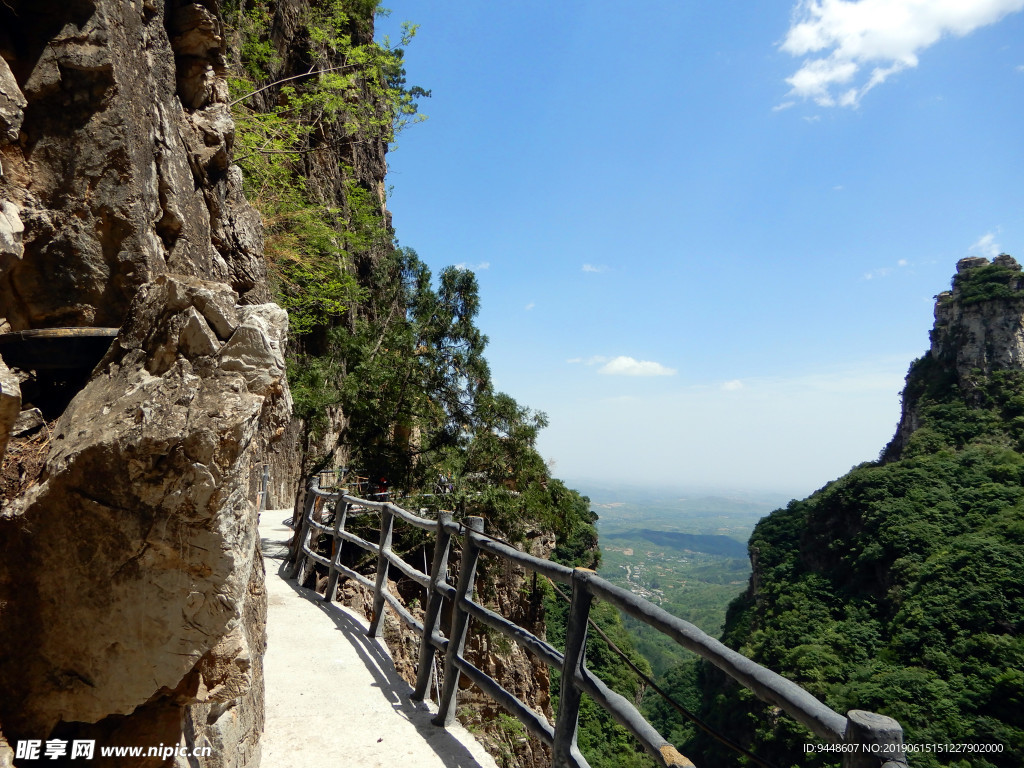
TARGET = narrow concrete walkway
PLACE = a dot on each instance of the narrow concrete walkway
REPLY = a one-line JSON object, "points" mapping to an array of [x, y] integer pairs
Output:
{"points": [[333, 695]]}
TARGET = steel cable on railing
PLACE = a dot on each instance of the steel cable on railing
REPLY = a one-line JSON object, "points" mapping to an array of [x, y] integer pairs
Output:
{"points": [[725, 740], [721, 738]]}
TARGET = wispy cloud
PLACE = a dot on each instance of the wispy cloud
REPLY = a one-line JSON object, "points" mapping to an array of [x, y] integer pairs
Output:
{"points": [[594, 268], [627, 366], [885, 271], [529, 306], [986, 246], [732, 386], [860, 44], [474, 267]]}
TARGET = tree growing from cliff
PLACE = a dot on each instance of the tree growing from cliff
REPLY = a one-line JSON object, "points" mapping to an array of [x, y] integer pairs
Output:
{"points": [[351, 89]]}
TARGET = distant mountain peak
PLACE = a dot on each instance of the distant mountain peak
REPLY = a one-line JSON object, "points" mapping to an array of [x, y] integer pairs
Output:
{"points": [[979, 329]]}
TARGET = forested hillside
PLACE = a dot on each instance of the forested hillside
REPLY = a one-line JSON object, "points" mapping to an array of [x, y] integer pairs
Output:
{"points": [[898, 588], [386, 361]]}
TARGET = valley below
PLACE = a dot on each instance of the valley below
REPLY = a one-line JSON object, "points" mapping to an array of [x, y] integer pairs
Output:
{"points": [[684, 552]]}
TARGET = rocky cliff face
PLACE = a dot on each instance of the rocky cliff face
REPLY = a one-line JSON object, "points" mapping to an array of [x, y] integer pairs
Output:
{"points": [[131, 599], [116, 160], [897, 587], [973, 335]]}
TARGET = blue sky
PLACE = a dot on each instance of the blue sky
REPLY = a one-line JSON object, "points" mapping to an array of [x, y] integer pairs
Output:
{"points": [[708, 235]]}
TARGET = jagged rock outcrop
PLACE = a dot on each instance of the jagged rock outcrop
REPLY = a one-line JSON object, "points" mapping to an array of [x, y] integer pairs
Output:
{"points": [[10, 404], [116, 141], [142, 533], [975, 334], [896, 588], [131, 598], [979, 328]]}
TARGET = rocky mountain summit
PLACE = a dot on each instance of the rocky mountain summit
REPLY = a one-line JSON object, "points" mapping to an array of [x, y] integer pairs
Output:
{"points": [[897, 588], [979, 328]]}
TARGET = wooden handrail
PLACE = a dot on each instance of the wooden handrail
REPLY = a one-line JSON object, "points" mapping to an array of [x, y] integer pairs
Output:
{"points": [[877, 736]]}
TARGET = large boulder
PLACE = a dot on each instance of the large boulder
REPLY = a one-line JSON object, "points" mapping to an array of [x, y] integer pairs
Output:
{"points": [[132, 572]]}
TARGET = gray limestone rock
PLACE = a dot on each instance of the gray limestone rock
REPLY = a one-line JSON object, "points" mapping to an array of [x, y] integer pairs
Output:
{"points": [[138, 579], [122, 166], [971, 262], [27, 421], [256, 348], [971, 338], [12, 105], [11, 230]]}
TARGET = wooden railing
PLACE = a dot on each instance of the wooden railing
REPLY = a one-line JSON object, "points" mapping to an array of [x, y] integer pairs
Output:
{"points": [[869, 739], [264, 488]]}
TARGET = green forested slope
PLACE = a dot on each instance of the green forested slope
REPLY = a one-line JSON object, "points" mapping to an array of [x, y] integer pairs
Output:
{"points": [[899, 588], [386, 362]]}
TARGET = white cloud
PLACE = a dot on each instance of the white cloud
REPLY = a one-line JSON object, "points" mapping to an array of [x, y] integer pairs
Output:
{"points": [[861, 43], [593, 268], [627, 366], [529, 306], [884, 271], [986, 246], [474, 267], [732, 386], [592, 360]]}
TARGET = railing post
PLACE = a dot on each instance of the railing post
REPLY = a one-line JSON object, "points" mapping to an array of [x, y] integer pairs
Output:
{"points": [[308, 538], [879, 737], [432, 614], [266, 488], [569, 693], [340, 515], [301, 532], [460, 622], [387, 523]]}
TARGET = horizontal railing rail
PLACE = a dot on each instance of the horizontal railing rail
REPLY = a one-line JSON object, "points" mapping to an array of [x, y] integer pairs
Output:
{"points": [[879, 738]]}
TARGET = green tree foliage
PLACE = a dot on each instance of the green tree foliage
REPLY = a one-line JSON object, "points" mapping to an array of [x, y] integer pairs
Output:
{"points": [[992, 281], [898, 588], [351, 92], [374, 337]]}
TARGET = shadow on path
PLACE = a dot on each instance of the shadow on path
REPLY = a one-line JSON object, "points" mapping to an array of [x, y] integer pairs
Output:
{"points": [[448, 744]]}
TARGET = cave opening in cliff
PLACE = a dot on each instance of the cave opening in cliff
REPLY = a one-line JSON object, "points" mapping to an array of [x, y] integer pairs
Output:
{"points": [[54, 364]]}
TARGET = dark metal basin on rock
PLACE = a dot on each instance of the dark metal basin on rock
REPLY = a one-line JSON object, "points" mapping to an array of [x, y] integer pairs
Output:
{"points": [[51, 349]]}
